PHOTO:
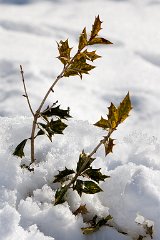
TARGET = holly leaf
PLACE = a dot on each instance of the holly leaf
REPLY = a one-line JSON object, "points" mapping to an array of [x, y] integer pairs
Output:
{"points": [[82, 40], [56, 111], [109, 146], [91, 56], [78, 67], [96, 27], [124, 108], [83, 158], [99, 40], [64, 51], [62, 175], [40, 132], [95, 174], [81, 210], [95, 225], [87, 187], [19, 149], [103, 123], [113, 116], [60, 195]]}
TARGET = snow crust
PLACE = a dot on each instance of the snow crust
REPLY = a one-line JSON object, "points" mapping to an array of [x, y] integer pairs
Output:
{"points": [[29, 30], [26, 199]]}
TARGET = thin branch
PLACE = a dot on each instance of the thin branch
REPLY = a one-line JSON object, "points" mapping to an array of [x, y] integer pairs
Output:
{"points": [[105, 140], [25, 90]]}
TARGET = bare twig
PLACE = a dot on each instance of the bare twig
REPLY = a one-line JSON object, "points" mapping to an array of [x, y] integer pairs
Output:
{"points": [[25, 90]]}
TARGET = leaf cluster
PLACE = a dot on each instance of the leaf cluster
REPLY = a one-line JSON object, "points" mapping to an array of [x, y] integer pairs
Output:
{"points": [[115, 116], [51, 124], [78, 65]]}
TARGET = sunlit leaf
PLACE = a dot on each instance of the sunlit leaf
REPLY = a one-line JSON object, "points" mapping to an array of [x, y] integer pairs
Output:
{"points": [[63, 174], [91, 56], [113, 116], [19, 149], [82, 40], [124, 108], [96, 27], [103, 123], [99, 40], [95, 174], [64, 51]]}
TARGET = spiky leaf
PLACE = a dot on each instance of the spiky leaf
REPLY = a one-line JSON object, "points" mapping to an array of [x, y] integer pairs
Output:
{"points": [[82, 40], [78, 67], [60, 195], [91, 56], [95, 174], [81, 210], [62, 175], [124, 108], [56, 111], [99, 40], [19, 149], [95, 225], [96, 27], [109, 146], [83, 158], [113, 116], [103, 123], [87, 187], [64, 51]]}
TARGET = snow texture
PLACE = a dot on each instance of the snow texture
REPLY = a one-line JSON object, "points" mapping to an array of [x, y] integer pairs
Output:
{"points": [[29, 30]]}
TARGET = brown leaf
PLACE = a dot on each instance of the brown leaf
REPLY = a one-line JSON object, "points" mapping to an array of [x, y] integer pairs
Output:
{"points": [[124, 108], [109, 146], [96, 27], [64, 51], [82, 40], [82, 209], [103, 123], [113, 116], [99, 41]]}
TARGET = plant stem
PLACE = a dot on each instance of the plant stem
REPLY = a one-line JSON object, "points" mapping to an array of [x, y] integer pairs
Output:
{"points": [[105, 140], [25, 90], [36, 115]]}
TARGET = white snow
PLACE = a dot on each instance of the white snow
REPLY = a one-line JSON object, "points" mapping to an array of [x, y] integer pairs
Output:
{"points": [[29, 30]]}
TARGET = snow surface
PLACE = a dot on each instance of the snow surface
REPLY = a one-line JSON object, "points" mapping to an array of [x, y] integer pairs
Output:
{"points": [[29, 30]]}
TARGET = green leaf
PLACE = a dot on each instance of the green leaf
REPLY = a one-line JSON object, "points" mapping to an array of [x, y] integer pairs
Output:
{"points": [[83, 158], [95, 174], [96, 27], [103, 123], [124, 108], [87, 187], [64, 51], [56, 111], [99, 40], [60, 195], [19, 149], [53, 127], [40, 132], [109, 146], [82, 40], [63, 174]]}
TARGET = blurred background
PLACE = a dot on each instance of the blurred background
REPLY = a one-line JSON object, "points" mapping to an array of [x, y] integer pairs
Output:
{"points": [[29, 30]]}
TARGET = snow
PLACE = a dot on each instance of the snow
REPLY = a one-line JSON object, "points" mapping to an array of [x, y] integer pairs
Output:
{"points": [[29, 30]]}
